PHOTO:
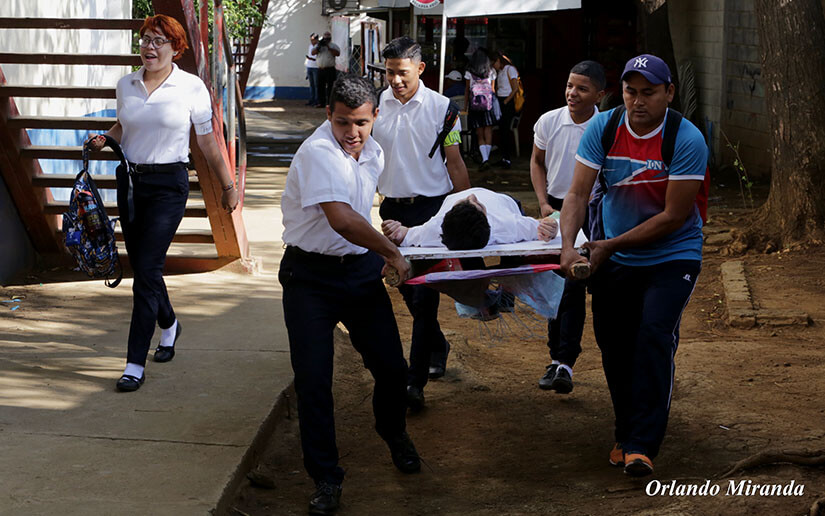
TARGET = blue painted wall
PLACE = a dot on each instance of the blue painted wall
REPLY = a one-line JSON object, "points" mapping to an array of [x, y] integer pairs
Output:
{"points": [[16, 251], [72, 137], [276, 92]]}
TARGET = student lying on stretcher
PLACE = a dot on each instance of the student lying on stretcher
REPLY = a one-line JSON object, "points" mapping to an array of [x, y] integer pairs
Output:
{"points": [[472, 219]]}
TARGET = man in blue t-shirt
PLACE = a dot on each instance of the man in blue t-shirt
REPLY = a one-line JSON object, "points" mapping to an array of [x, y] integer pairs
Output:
{"points": [[644, 270]]}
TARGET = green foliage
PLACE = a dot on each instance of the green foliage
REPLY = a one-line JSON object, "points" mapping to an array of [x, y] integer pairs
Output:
{"points": [[239, 15], [741, 172], [142, 8]]}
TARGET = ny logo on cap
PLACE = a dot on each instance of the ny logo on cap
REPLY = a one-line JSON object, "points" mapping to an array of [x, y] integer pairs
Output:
{"points": [[641, 62]]}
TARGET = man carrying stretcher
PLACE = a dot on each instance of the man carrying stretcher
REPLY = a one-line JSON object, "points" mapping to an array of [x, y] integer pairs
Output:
{"points": [[473, 219]]}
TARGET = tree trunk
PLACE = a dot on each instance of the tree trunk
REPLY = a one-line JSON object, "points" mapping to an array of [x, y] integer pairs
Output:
{"points": [[792, 38]]}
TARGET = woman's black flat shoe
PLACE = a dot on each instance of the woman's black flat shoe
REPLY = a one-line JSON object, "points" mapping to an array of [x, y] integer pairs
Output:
{"points": [[164, 353], [129, 383], [167, 353]]}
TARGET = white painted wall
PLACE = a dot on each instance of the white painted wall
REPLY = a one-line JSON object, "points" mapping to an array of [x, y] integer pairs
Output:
{"points": [[279, 58], [64, 41]]}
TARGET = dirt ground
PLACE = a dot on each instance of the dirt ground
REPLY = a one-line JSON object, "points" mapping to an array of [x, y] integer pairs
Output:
{"points": [[492, 443]]}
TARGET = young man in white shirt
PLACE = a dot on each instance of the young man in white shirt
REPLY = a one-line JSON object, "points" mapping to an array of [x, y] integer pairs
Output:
{"points": [[312, 71], [557, 136], [331, 272], [473, 219], [414, 183]]}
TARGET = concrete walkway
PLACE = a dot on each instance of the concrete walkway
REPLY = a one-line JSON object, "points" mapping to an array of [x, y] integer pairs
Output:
{"points": [[71, 445]]}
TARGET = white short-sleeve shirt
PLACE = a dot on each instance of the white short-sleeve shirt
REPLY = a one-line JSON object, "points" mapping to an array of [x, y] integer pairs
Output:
{"points": [[558, 135], [310, 61], [322, 172], [407, 132], [156, 127], [507, 224], [503, 88]]}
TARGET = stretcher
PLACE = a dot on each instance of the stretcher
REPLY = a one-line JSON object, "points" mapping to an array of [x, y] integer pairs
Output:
{"points": [[425, 260]]}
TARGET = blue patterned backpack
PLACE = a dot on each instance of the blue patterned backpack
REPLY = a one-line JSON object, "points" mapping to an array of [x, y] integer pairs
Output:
{"points": [[89, 233]]}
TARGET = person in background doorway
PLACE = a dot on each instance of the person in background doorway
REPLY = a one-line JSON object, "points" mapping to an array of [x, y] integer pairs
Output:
{"points": [[480, 102], [325, 53], [506, 87], [312, 71]]}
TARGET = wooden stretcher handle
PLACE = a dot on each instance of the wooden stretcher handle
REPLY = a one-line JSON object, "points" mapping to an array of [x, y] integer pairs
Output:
{"points": [[392, 278], [580, 271]]}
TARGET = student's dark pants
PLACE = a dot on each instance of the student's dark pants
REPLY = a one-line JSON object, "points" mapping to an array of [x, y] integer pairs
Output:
{"points": [[159, 200], [421, 301], [319, 292], [636, 316], [564, 333], [505, 136], [312, 77], [326, 76]]}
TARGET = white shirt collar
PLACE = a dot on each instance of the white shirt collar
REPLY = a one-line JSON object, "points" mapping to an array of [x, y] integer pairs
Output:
{"points": [[649, 135], [568, 120], [171, 80], [418, 97]]}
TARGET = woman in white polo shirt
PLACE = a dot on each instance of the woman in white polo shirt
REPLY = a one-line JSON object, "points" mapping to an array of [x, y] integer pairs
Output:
{"points": [[156, 108]]}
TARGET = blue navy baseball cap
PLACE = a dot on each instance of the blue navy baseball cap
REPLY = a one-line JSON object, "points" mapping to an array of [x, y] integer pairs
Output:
{"points": [[651, 67]]}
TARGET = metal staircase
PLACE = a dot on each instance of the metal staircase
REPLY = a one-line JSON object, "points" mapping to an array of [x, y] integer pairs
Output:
{"points": [[209, 237]]}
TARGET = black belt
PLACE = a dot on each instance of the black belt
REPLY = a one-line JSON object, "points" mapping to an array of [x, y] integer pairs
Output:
{"points": [[326, 259], [411, 200], [162, 168]]}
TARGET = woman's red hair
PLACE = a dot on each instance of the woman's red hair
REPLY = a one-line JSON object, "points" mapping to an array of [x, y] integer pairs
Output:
{"points": [[170, 28]]}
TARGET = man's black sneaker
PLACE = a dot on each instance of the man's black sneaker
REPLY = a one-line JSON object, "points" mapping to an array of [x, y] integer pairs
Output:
{"points": [[438, 362], [326, 499], [546, 381], [415, 398], [562, 382], [504, 163], [403, 453]]}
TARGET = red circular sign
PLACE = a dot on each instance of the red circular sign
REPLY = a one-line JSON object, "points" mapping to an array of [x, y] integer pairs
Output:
{"points": [[425, 4]]}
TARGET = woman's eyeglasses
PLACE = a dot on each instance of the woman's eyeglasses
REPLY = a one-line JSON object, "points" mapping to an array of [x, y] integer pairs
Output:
{"points": [[155, 42]]}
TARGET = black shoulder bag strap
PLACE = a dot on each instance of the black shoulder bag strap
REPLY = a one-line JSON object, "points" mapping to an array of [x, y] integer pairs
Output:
{"points": [[130, 198], [449, 121], [674, 119], [609, 137]]}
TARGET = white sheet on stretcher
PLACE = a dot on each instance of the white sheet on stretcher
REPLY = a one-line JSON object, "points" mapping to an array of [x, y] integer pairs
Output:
{"points": [[533, 247]]}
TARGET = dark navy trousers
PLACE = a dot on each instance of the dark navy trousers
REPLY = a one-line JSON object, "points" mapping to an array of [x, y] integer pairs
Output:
{"points": [[421, 301], [319, 292], [636, 316], [159, 203], [564, 333]]}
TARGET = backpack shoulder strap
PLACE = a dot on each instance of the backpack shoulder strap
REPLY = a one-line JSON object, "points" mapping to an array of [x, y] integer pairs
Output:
{"points": [[609, 134], [674, 119], [449, 121], [609, 138]]}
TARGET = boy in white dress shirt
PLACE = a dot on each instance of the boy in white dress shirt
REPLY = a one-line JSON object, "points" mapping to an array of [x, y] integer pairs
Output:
{"points": [[557, 136], [330, 273], [414, 183]]}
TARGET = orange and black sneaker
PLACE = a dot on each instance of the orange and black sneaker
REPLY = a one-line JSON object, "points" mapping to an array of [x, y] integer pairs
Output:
{"points": [[637, 465], [616, 457]]}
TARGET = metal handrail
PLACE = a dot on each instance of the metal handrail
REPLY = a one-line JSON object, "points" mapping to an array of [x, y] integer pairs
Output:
{"points": [[224, 77]]}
